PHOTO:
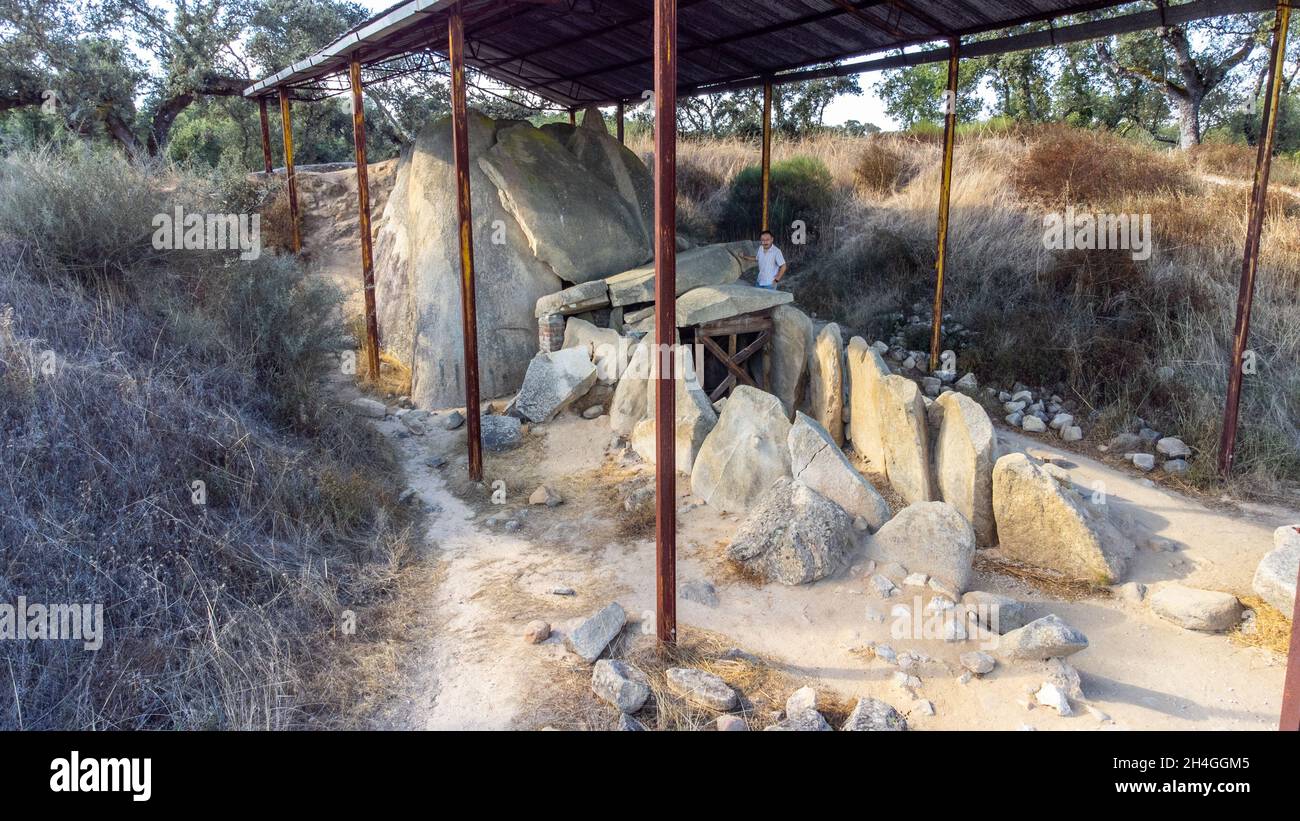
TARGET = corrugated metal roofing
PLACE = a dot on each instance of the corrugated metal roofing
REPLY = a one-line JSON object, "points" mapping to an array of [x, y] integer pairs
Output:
{"points": [[581, 52]]}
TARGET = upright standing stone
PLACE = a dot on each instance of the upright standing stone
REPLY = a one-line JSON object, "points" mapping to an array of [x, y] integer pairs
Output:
{"points": [[963, 462], [826, 381], [817, 462], [792, 343], [906, 439], [745, 453], [1275, 578], [866, 370]]}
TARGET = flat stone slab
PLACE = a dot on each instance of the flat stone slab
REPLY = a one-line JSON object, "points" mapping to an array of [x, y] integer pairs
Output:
{"points": [[587, 296], [701, 688], [706, 265], [714, 302], [1192, 609], [620, 684], [589, 639]]}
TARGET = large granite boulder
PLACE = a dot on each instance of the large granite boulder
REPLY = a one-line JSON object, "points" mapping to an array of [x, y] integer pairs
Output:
{"points": [[634, 390], [745, 453], [793, 535], [906, 438], [417, 273], [608, 349], [573, 221], [553, 382], [705, 265], [963, 462], [792, 344], [619, 168], [865, 372], [713, 302], [819, 463], [1275, 578], [695, 419], [931, 538], [826, 381], [1045, 522]]}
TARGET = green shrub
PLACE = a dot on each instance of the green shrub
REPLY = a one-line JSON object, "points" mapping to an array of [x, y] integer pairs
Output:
{"points": [[801, 189]]}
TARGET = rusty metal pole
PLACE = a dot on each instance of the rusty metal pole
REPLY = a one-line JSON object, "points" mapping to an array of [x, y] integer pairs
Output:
{"points": [[767, 152], [620, 123], [1250, 260], [468, 314], [290, 179], [1290, 718], [266, 136], [665, 57], [945, 194], [573, 117], [363, 203]]}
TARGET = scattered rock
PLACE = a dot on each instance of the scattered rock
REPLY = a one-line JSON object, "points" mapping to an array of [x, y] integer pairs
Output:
{"points": [[1049, 695], [545, 496], [916, 580], [1072, 434], [805, 698], [1143, 461], [1033, 424], [794, 535], [923, 707], [700, 592], [369, 408], [453, 420], [1173, 447], [871, 714], [1096, 713], [563, 591], [591, 637], [500, 433], [701, 688], [593, 412], [883, 586], [1001, 614], [978, 662], [1048, 637], [1176, 466], [802, 721], [554, 381], [1193, 609], [931, 536], [728, 723], [537, 632], [620, 684], [628, 724]]}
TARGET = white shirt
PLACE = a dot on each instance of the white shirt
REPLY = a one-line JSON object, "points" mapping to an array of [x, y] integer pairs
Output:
{"points": [[769, 262]]}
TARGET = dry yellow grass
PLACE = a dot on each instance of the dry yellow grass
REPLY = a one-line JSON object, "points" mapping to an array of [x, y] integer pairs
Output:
{"points": [[1272, 628]]}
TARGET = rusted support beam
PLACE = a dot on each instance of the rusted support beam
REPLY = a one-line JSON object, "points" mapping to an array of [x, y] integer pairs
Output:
{"points": [[665, 57], [468, 313], [290, 180], [945, 194], [1290, 719], [767, 153], [619, 117], [573, 116], [1255, 227], [363, 203], [266, 136]]}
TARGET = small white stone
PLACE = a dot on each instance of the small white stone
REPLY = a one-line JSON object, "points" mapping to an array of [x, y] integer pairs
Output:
{"points": [[916, 580], [1049, 695]]}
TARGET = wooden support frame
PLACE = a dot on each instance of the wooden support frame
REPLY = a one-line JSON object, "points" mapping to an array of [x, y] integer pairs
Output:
{"points": [[363, 211], [1254, 230], [945, 196], [665, 171], [469, 317], [291, 180], [267, 165], [733, 360], [767, 155]]}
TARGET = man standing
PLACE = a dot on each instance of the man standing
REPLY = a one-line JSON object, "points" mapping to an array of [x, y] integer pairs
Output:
{"points": [[771, 262]]}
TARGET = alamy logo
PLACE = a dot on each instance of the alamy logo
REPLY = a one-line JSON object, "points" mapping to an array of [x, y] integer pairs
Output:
{"points": [[53, 622], [77, 774], [180, 231], [1086, 232]]}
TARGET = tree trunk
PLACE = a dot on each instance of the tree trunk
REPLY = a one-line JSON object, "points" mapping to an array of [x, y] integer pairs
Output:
{"points": [[1188, 110]]}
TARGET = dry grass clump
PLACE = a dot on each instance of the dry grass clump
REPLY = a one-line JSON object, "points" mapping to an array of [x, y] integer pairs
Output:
{"points": [[1272, 628], [1046, 581], [1069, 165], [1238, 160], [570, 703], [881, 168], [223, 601]]}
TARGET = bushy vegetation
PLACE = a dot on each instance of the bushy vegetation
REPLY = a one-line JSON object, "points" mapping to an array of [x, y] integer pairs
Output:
{"points": [[801, 189], [127, 375]]}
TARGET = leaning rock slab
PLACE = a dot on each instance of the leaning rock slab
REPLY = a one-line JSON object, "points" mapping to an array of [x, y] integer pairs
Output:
{"points": [[701, 688], [713, 302], [589, 639], [866, 370], [818, 462], [706, 265], [1275, 577], [609, 350], [928, 537], [1046, 523], [906, 438], [634, 391], [1046, 638], [553, 382], [695, 420], [620, 684], [1192, 609], [745, 453], [585, 297], [793, 535], [871, 714], [792, 343], [963, 462], [826, 381]]}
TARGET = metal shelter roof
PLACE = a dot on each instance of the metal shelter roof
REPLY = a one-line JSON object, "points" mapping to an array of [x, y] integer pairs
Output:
{"points": [[583, 52]]}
